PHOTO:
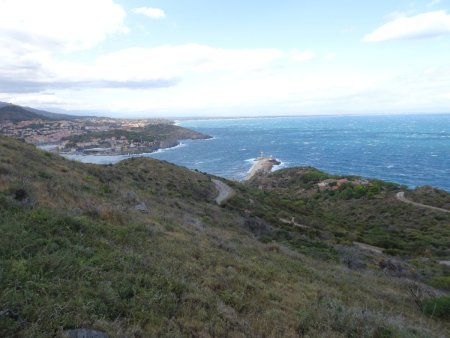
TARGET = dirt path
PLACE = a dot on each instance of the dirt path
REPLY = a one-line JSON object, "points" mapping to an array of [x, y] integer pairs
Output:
{"points": [[292, 222], [401, 197], [225, 192], [371, 248]]}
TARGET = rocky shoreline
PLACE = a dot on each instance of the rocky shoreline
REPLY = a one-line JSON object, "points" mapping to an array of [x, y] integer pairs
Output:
{"points": [[128, 142], [262, 165], [130, 151]]}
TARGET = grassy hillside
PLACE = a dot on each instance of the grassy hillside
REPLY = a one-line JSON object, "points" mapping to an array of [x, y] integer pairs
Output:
{"points": [[140, 249]]}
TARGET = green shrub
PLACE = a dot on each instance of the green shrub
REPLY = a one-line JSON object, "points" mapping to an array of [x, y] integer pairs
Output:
{"points": [[441, 282], [44, 175], [384, 332], [438, 307], [266, 238]]}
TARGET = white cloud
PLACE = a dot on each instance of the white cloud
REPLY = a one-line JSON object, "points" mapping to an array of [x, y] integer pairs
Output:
{"points": [[38, 69], [302, 56], [58, 25], [425, 25], [153, 13], [133, 68], [172, 63], [212, 85]]}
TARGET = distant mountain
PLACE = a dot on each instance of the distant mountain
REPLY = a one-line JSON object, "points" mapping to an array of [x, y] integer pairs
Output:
{"points": [[17, 113], [54, 116], [4, 104]]}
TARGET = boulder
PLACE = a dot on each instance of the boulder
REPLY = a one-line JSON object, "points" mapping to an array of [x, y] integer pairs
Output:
{"points": [[142, 207]]}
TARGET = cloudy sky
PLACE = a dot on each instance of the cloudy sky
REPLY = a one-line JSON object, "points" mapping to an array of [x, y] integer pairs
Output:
{"points": [[143, 58]]}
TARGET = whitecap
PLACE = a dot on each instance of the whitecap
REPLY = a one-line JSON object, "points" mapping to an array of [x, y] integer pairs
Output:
{"points": [[280, 166], [159, 151]]}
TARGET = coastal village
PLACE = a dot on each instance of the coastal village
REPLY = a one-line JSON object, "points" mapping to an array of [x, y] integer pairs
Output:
{"points": [[59, 134], [111, 145]]}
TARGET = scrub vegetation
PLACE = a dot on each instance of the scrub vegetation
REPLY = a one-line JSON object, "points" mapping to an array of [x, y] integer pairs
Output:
{"points": [[140, 249]]}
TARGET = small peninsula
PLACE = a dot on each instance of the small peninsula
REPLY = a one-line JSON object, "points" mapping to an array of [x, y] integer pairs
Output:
{"points": [[262, 165], [140, 140]]}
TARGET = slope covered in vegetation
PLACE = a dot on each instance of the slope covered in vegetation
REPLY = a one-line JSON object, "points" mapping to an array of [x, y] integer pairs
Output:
{"points": [[16, 114], [140, 249], [347, 209]]}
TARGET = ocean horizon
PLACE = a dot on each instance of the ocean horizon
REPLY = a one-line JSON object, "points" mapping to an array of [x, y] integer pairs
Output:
{"points": [[413, 150]]}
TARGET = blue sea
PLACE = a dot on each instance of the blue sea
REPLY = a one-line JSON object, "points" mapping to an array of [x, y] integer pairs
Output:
{"points": [[409, 149]]}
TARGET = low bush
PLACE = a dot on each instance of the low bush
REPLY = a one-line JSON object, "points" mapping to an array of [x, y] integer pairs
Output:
{"points": [[441, 282], [438, 307]]}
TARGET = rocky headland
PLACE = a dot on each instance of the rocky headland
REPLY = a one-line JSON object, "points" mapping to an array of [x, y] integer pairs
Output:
{"points": [[262, 165]]}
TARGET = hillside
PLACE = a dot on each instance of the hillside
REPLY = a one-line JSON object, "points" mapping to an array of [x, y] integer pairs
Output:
{"points": [[140, 249], [347, 209], [56, 116], [17, 114]]}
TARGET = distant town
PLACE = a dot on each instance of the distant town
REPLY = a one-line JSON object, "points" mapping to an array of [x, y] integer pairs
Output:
{"points": [[91, 135]]}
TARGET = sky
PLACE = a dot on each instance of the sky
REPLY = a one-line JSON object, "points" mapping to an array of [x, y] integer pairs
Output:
{"points": [[175, 58]]}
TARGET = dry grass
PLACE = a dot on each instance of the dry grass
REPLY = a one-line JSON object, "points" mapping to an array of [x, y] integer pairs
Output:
{"points": [[76, 253]]}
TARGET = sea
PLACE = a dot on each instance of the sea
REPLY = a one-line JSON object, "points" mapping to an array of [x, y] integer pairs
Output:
{"points": [[413, 150]]}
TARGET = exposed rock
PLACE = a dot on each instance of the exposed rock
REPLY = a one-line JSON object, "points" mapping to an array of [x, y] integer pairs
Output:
{"points": [[395, 267], [141, 207], [262, 165], [257, 226], [12, 314]]}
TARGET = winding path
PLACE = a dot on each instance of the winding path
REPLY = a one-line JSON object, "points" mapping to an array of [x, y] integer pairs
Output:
{"points": [[225, 192], [401, 197]]}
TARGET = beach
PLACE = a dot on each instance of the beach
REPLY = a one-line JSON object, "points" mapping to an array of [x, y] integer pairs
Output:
{"points": [[262, 165]]}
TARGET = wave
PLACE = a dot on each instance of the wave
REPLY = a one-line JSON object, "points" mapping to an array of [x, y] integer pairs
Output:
{"points": [[162, 150], [282, 165]]}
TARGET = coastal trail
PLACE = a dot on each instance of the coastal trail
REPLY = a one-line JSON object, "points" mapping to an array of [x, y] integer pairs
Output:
{"points": [[401, 197], [225, 192]]}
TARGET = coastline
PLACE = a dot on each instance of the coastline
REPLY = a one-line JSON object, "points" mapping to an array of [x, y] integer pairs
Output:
{"points": [[262, 165], [115, 158], [136, 151]]}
